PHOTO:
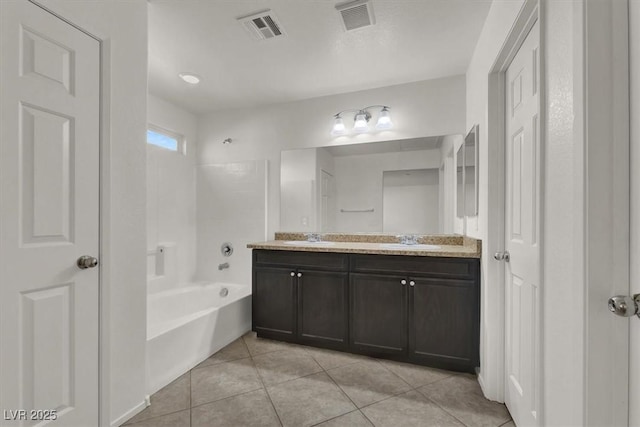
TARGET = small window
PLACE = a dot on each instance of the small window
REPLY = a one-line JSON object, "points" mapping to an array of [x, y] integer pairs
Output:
{"points": [[165, 139]]}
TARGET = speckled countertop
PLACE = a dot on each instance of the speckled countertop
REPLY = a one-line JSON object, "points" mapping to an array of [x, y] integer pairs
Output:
{"points": [[449, 245]]}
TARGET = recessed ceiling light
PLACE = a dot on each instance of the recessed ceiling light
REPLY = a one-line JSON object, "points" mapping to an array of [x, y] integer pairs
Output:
{"points": [[190, 78]]}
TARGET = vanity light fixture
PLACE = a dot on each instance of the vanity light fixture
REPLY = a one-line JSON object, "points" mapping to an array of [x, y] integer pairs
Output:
{"points": [[361, 120], [190, 78]]}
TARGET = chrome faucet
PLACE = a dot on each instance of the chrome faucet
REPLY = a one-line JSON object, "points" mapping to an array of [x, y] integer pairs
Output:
{"points": [[408, 239], [223, 266], [313, 237]]}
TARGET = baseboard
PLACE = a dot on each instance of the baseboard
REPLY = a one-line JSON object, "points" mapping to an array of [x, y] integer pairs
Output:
{"points": [[131, 412]]}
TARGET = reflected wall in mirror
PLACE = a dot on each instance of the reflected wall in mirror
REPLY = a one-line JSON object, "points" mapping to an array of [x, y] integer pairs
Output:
{"points": [[394, 187], [471, 172], [460, 182]]}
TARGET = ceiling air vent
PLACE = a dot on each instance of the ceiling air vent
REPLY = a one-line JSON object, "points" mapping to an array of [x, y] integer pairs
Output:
{"points": [[356, 14], [263, 25]]}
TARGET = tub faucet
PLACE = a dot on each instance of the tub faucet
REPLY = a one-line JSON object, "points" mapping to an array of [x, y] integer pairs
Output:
{"points": [[223, 266]]}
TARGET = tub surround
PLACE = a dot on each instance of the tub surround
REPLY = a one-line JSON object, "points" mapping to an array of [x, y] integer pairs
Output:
{"points": [[450, 246]]}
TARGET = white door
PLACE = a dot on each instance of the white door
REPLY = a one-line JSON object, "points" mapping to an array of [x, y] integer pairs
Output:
{"points": [[634, 356], [49, 166], [522, 231]]}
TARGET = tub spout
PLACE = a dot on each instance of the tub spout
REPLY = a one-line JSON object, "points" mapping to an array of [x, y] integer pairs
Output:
{"points": [[223, 266]]}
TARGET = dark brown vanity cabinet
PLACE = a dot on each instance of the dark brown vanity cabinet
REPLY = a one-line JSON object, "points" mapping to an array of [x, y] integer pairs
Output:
{"points": [[424, 310], [301, 297]]}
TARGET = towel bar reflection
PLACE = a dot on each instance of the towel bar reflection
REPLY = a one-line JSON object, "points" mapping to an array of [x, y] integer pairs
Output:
{"points": [[356, 210]]}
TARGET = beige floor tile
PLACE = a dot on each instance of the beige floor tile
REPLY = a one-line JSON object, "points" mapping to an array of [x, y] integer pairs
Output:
{"points": [[367, 382], [352, 419], [407, 410], [227, 379], [258, 346], [234, 351], [416, 375], [460, 395], [249, 409], [281, 366], [309, 400], [172, 398], [330, 359], [177, 419]]}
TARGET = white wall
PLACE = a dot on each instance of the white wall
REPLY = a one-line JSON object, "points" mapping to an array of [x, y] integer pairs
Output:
{"points": [[123, 28], [426, 108], [359, 185], [171, 193], [410, 204]]}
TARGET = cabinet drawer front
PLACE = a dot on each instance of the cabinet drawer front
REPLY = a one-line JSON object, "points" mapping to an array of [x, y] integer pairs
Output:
{"points": [[315, 260], [401, 264]]}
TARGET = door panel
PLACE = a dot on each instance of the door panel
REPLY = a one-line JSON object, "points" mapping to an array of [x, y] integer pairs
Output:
{"points": [[322, 308], [522, 206], [49, 187], [378, 321], [274, 308], [443, 329]]}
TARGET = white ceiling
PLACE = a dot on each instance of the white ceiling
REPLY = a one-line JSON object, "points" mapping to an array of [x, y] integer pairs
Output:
{"points": [[412, 40]]}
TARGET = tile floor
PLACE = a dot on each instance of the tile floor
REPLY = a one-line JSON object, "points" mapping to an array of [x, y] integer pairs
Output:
{"points": [[258, 382]]}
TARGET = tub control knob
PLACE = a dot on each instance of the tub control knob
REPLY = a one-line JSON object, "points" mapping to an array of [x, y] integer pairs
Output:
{"points": [[86, 261]]}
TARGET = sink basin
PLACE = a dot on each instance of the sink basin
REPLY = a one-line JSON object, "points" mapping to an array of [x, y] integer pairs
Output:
{"points": [[405, 247], [306, 243]]}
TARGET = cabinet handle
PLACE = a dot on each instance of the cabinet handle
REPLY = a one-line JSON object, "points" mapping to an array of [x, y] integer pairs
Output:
{"points": [[299, 274], [293, 274], [403, 282], [412, 283]]}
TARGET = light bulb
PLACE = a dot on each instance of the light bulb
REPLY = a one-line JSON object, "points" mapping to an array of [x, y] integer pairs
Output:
{"points": [[360, 124], [384, 120], [338, 127], [192, 79]]}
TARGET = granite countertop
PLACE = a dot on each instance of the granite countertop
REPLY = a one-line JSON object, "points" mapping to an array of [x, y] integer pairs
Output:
{"points": [[449, 245]]}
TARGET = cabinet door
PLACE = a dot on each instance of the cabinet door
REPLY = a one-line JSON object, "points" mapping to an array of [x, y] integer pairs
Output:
{"points": [[444, 323], [322, 308], [378, 314], [273, 303]]}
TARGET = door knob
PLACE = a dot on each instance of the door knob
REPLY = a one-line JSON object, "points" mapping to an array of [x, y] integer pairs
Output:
{"points": [[403, 282], [499, 256], [86, 261], [299, 274], [293, 274], [412, 283], [624, 305]]}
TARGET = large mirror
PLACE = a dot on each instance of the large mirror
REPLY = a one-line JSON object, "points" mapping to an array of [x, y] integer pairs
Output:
{"points": [[398, 186]]}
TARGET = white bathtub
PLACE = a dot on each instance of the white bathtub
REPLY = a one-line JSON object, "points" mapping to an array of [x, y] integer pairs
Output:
{"points": [[187, 324]]}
